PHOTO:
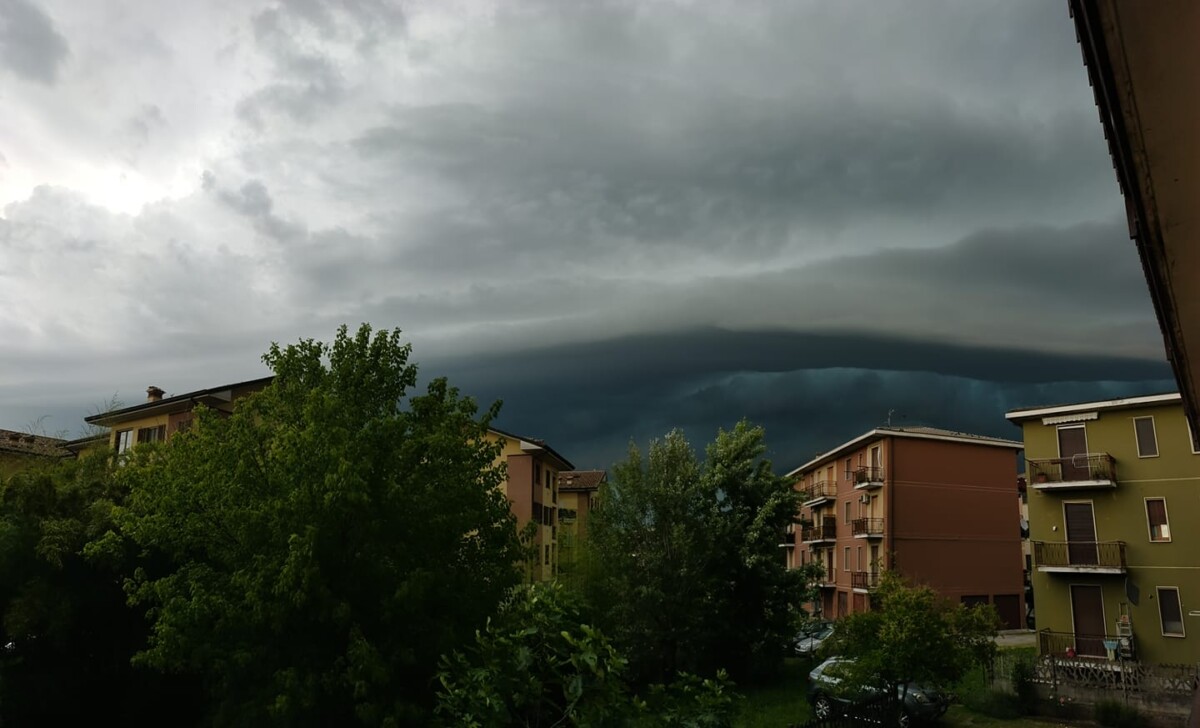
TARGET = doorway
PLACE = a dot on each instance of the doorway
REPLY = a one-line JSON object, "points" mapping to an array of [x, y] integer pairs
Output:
{"points": [[1087, 611], [1072, 451], [1081, 534]]}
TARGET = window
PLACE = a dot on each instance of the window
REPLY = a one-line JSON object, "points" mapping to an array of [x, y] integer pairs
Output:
{"points": [[1147, 442], [152, 434], [1170, 611], [849, 469], [846, 559], [1156, 517], [858, 557], [875, 461], [847, 509], [124, 440], [547, 555]]}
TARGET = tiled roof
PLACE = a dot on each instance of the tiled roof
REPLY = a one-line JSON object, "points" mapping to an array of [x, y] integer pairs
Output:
{"points": [[23, 443], [581, 479], [943, 433]]}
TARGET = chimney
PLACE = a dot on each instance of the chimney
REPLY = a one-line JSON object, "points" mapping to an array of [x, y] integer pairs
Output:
{"points": [[153, 393]]}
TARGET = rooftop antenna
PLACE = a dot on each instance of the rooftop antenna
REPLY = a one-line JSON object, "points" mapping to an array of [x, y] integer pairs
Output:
{"points": [[889, 424]]}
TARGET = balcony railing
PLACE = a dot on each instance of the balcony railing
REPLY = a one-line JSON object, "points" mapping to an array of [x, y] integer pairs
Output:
{"points": [[821, 490], [787, 539], [1095, 557], [867, 527], [1072, 645], [826, 530], [868, 476], [1085, 470], [865, 580]]}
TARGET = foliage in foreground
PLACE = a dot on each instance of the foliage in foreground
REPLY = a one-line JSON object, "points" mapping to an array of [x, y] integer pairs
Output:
{"points": [[67, 632], [912, 635], [1115, 714], [327, 542], [540, 663], [684, 559]]}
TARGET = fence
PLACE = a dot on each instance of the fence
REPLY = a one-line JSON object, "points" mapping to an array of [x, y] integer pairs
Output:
{"points": [[882, 710]]}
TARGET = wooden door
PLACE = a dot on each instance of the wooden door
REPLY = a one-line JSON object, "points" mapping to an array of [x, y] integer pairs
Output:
{"points": [[1081, 534], [1087, 609], [1072, 449]]}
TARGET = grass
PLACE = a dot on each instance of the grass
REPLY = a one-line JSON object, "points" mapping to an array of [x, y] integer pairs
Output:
{"points": [[779, 704], [960, 717]]}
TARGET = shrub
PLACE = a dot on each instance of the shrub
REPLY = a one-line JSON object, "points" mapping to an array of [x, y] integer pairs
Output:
{"points": [[1115, 714], [1022, 683]]}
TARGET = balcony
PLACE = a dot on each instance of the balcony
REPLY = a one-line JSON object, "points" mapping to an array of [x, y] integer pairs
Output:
{"points": [[823, 534], [1080, 557], [1078, 472], [1085, 647], [787, 540], [868, 477], [818, 493], [864, 581], [867, 527]]}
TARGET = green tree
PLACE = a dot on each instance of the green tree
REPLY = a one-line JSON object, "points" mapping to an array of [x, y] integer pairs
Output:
{"points": [[540, 662], [329, 540], [685, 560], [911, 635], [67, 632]]}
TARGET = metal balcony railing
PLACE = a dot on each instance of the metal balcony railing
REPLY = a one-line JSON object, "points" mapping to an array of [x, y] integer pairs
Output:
{"points": [[825, 530], [1080, 555], [819, 489], [864, 579], [1079, 645], [1093, 467], [867, 526], [866, 476]]}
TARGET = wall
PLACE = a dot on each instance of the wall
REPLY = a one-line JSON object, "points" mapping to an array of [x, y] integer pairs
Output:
{"points": [[955, 519]]}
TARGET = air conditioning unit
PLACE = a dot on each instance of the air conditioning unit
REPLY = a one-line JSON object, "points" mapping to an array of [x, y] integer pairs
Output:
{"points": [[864, 498]]}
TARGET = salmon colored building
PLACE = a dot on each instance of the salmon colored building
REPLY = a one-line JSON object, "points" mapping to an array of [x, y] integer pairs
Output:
{"points": [[935, 505]]}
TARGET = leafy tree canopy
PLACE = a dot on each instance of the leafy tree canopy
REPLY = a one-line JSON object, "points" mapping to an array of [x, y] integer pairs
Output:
{"points": [[327, 542], [684, 558], [912, 635]]}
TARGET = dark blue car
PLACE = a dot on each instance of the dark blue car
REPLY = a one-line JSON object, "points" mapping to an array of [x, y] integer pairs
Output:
{"points": [[829, 694]]}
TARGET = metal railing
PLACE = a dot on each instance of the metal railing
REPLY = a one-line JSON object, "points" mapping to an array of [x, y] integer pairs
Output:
{"points": [[1077, 468], [826, 531], [819, 489], [864, 474], [867, 526], [1073, 644], [864, 579], [1084, 554]]}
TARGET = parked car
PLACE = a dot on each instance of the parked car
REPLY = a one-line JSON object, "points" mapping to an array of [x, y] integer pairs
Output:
{"points": [[829, 694], [809, 641]]}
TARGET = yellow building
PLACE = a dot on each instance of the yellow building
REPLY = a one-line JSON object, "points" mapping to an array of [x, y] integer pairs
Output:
{"points": [[533, 468], [577, 491], [1112, 507]]}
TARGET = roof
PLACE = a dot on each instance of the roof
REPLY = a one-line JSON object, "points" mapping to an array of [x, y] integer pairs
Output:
{"points": [[919, 433], [533, 443], [23, 443], [581, 479], [1026, 413], [174, 403]]}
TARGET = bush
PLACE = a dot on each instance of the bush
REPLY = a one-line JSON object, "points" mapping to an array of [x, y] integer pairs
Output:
{"points": [[1022, 683], [995, 704], [1115, 714]]}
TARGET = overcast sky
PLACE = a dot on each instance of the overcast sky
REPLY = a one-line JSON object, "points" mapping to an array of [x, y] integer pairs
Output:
{"points": [[617, 217]]}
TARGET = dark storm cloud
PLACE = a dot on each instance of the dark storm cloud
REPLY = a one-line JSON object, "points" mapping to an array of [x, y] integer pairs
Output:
{"points": [[810, 391], [30, 45]]}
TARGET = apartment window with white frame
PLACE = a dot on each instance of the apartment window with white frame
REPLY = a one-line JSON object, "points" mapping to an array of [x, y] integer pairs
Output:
{"points": [[1147, 439], [846, 558], [124, 440], [1170, 611], [1156, 519], [858, 557]]}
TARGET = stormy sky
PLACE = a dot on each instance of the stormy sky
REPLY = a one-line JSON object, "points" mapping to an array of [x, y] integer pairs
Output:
{"points": [[618, 217]]}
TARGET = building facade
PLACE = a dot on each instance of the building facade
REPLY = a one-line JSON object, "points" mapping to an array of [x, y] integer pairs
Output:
{"points": [[20, 450], [1112, 507], [577, 494], [935, 505]]}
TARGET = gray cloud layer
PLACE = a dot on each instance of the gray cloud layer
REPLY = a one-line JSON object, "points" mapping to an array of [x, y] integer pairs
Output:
{"points": [[500, 180]]}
